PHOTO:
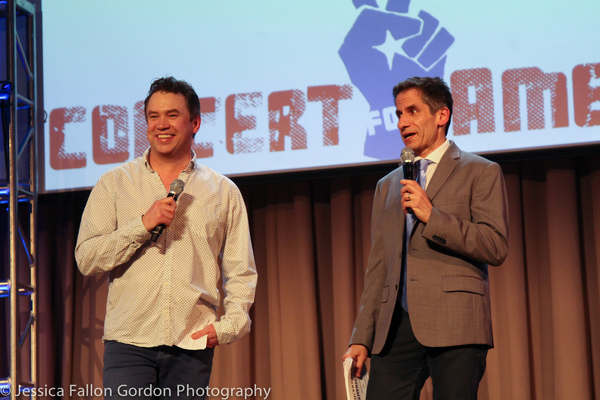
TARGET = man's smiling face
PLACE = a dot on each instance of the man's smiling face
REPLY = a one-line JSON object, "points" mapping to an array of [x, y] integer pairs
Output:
{"points": [[170, 128]]}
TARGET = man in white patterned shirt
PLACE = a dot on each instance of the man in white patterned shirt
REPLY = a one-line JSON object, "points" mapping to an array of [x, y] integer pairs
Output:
{"points": [[163, 295]]}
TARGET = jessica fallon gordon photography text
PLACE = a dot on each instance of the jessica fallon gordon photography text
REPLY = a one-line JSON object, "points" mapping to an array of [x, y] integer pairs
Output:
{"points": [[88, 391]]}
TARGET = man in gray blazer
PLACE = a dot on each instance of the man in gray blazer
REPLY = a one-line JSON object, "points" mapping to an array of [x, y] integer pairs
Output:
{"points": [[425, 309]]}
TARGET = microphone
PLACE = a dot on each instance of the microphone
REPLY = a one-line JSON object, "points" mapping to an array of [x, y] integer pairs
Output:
{"points": [[175, 190], [407, 156]]}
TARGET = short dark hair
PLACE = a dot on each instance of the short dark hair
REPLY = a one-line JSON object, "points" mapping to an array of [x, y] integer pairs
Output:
{"points": [[434, 92], [169, 84]]}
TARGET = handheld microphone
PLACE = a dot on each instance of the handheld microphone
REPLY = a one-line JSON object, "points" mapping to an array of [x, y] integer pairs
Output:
{"points": [[407, 156], [175, 190]]}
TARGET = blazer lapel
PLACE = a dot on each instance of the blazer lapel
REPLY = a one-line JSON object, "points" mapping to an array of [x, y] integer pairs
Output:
{"points": [[447, 164]]}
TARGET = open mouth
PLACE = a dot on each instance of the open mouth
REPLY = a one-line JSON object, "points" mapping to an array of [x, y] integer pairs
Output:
{"points": [[164, 136]]}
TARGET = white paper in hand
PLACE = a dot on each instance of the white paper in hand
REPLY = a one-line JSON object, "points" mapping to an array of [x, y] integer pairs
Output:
{"points": [[356, 388], [201, 318]]}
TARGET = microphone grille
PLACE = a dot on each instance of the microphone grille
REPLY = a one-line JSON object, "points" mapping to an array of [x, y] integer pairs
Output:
{"points": [[407, 155], [177, 187]]}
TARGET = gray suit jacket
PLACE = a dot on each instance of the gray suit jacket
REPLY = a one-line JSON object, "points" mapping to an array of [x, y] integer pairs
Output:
{"points": [[447, 276]]}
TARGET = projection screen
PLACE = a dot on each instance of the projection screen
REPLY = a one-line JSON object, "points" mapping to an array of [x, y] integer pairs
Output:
{"points": [[294, 85]]}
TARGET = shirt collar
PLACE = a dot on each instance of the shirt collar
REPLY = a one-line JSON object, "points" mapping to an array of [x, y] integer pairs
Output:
{"points": [[436, 155], [191, 165]]}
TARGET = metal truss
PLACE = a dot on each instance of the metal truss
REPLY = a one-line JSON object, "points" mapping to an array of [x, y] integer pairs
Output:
{"points": [[19, 191]]}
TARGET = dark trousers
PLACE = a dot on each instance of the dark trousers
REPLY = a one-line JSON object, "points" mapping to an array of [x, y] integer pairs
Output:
{"points": [[164, 372], [401, 369]]}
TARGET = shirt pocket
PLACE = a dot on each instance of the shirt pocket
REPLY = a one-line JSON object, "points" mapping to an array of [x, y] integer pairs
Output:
{"points": [[205, 225]]}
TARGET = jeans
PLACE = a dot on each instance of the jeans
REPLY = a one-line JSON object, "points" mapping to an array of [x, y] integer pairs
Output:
{"points": [[401, 369], [164, 372]]}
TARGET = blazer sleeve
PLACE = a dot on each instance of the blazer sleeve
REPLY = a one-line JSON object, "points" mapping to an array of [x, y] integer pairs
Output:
{"points": [[370, 301], [483, 238]]}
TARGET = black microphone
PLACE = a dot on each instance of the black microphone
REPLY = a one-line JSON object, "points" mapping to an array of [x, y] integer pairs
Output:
{"points": [[175, 190], [407, 156]]}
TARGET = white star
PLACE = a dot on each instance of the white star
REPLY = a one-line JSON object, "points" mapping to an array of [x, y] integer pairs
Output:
{"points": [[390, 47]]}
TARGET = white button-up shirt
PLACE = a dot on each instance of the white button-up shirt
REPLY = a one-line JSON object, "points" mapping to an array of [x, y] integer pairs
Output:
{"points": [[158, 291]]}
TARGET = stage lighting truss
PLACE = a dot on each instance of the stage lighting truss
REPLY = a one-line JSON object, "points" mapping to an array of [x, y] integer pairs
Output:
{"points": [[18, 193]]}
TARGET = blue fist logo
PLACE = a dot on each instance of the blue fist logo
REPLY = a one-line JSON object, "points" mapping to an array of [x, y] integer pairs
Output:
{"points": [[382, 48]]}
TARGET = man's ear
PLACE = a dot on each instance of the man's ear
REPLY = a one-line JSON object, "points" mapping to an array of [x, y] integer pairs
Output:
{"points": [[443, 116], [196, 122]]}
